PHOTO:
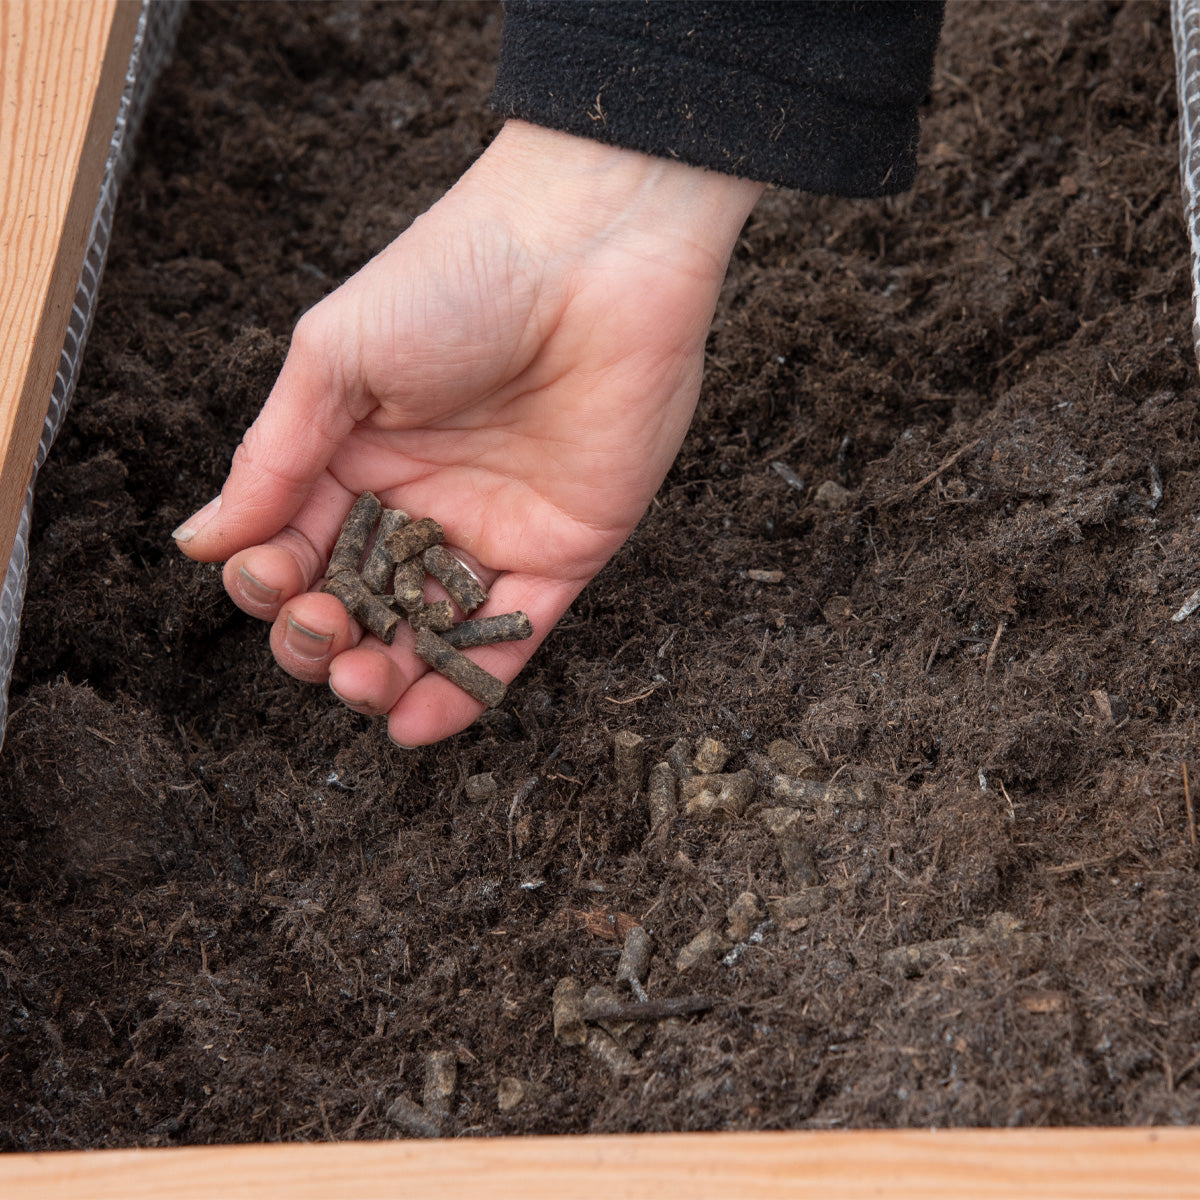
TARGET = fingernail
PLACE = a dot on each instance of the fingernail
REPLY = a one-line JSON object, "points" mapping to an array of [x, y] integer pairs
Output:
{"points": [[363, 710], [255, 590], [305, 643], [197, 521], [400, 745]]}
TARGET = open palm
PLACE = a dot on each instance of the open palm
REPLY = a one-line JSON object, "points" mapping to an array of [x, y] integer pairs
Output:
{"points": [[519, 366]]}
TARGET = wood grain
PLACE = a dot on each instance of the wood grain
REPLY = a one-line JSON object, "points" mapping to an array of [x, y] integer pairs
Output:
{"points": [[62, 70], [1084, 1164]]}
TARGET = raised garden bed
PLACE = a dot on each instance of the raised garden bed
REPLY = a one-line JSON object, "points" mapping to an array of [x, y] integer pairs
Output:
{"points": [[231, 911]]}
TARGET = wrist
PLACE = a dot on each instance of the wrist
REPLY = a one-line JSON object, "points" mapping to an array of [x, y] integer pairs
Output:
{"points": [[657, 207]]}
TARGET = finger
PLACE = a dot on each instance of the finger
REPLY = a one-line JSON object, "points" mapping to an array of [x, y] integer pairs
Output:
{"points": [[261, 579], [432, 707], [310, 631], [305, 419]]}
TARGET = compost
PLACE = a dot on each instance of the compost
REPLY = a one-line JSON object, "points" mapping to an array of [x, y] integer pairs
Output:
{"points": [[908, 838]]}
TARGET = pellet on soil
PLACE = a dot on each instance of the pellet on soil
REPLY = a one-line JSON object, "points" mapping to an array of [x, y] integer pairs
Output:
{"points": [[377, 570], [711, 756], [410, 1118], [459, 581], [409, 585], [833, 496], [441, 1078], [485, 631], [351, 544], [569, 1028], [720, 796], [792, 911], [438, 615], [413, 539], [363, 604], [512, 1092], [634, 964], [660, 796], [742, 916], [460, 670], [607, 1051], [625, 1032], [811, 794], [680, 758], [762, 575], [799, 861], [788, 759], [629, 755], [481, 787], [707, 944]]}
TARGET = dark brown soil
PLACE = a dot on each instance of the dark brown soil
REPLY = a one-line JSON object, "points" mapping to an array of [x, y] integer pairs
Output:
{"points": [[231, 911]]}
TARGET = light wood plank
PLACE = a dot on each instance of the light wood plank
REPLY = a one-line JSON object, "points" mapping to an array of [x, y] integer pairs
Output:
{"points": [[62, 70], [1086, 1164]]}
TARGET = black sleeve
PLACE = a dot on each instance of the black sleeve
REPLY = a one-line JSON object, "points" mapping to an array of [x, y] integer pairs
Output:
{"points": [[821, 96]]}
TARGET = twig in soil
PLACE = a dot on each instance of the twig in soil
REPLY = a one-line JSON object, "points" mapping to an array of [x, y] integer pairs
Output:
{"points": [[1187, 799], [945, 465], [459, 669], [1188, 607], [352, 541], [991, 654], [465, 590], [646, 1010]]}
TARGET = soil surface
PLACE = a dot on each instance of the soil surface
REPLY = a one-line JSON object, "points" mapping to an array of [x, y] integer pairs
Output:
{"points": [[230, 910]]}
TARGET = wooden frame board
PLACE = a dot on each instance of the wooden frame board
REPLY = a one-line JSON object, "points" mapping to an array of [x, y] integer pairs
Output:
{"points": [[1084, 1164], [62, 71]]}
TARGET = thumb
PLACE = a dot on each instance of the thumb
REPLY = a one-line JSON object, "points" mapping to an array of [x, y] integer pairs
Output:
{"points": [[304, 420]]}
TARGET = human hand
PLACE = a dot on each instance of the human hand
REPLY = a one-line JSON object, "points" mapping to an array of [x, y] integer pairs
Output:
{"points": [[521, 364]]}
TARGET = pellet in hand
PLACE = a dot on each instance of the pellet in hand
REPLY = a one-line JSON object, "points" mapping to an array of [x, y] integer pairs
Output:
{"points": [[352, 541], [483, 631], [465, 590]]}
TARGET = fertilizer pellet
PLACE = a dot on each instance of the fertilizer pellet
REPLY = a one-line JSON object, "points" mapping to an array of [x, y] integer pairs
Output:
{"points": [[377, 570], [660, 798], [441, 1078], [465, 590], [410, 1118], [413, 539], [459, 669], [567, 1011], [634, 964], [352, 541], [629, 755], [483, 631], [438, 616], [362, 603], [409, 585]]}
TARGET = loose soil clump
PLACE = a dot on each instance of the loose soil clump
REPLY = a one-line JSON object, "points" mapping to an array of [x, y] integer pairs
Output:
{"points": [[913, 572]]}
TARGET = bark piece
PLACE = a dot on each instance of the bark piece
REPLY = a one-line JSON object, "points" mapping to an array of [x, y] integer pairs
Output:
{"points": [[409, 585], [362, 603], [484, 631], [711, 756], [441, 1078], [569, 1028], [459, 669], [409, 1117], [629, 753], [742, 916], [377, 570], [705, 945], [458, 579], [720, 796], [413, 539], [351, 544], [634, 964], [438, 616]]}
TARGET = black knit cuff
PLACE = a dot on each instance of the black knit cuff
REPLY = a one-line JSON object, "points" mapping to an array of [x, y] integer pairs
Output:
{"points": [[838, 118]]}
